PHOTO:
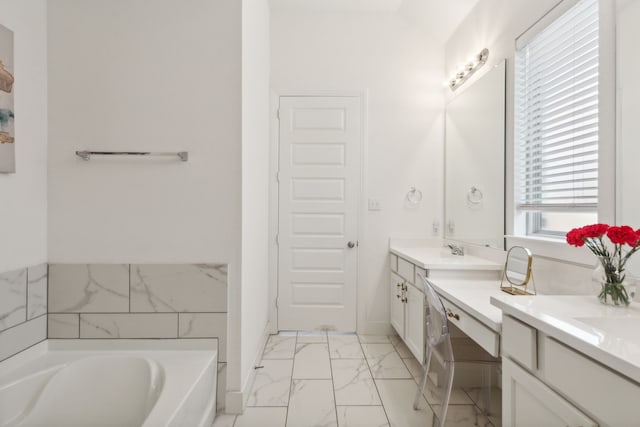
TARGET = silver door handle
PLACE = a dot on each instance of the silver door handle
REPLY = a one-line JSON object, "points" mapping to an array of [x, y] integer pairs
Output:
{"points": [[351, 245]]}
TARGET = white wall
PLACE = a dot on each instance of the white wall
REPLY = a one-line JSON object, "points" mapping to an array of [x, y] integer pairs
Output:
{"points": [[399, 68], [255, 181], [495, 24], [628, 69], [23, 195], [138, 75]]}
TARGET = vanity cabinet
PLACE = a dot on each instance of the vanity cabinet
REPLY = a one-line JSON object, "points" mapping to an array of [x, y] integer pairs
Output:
{"points": [[527, 401], [545, 382], [407, 305]]}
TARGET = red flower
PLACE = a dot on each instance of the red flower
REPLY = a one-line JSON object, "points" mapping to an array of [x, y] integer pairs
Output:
{"points": [[595, 230], [622, 235], [575, 237]]}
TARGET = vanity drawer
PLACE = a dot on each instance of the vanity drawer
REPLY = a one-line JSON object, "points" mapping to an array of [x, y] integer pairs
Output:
{"points": [[604, 393], [519, 342], [393, 262], [405, 269], [487, 338]]}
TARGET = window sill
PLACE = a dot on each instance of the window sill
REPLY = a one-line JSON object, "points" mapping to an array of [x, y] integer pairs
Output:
{"points": [[555, 249]]}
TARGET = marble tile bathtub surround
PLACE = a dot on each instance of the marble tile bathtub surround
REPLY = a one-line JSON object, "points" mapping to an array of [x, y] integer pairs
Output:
{"points": [[135, 325], [63, 325], [178, 288], [88, 288], [23, 309], [148, 301], [37, 290], [13, 298]]}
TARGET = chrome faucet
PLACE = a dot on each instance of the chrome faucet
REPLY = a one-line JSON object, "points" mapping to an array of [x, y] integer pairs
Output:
{"points": [[455, 249]]}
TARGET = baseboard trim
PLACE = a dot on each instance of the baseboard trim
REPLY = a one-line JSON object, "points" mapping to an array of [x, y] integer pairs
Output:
{"points": [[376, 328], [236, 401]]}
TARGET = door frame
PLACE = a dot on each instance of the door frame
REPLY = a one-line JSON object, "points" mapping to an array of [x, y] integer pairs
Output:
{"points": [[274, 151]]}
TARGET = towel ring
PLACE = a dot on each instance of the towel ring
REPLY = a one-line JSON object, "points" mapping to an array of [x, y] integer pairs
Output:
{"points": [[414, 196], [474, 196]]}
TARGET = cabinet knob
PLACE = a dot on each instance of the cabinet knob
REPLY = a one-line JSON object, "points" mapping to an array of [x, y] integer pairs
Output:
{"points": [[351, 245], [452, 314], [404, 300]]}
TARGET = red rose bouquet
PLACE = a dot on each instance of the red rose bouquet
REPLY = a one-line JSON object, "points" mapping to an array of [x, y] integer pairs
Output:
{"points": [[613, 260]]}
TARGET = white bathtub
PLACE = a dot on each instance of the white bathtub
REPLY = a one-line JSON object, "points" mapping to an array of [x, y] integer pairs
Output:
{"points": [[123, 383]]}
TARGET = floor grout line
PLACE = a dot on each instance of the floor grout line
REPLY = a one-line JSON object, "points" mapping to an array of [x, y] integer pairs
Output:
{"points": [[375, 384]]}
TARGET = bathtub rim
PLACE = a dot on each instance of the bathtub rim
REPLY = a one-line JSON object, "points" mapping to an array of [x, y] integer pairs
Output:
{"points": [[98, 344], [16, 366]]}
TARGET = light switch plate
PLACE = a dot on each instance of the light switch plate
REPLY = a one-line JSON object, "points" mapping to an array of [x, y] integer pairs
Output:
{"points": [[374, 204]]}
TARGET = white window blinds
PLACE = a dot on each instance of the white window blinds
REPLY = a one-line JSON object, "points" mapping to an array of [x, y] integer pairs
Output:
{"points": [[556, 109]]}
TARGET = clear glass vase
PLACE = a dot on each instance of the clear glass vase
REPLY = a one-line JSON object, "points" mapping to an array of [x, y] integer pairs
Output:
{"points": [[613, 285]]}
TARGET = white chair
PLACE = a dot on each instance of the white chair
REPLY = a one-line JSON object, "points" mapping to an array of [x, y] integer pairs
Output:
{"points": [[439, 344]]}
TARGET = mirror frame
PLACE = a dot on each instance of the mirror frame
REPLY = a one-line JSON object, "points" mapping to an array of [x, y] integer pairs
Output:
{"points": [[521, 288]]}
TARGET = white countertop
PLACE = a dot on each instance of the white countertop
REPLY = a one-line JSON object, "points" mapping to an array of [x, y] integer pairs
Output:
{"points": [[610, 335], [473, 296], [439, 258]]}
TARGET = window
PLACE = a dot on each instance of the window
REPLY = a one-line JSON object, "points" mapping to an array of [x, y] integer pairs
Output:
{"points": [[556, 123]]}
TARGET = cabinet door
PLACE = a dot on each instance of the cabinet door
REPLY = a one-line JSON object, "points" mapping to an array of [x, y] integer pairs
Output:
{"points": [[414, 322], [527, 401], [396, 295]]}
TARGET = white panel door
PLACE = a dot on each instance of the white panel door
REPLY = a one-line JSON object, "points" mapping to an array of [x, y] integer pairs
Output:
{"points": [[319, 184]]}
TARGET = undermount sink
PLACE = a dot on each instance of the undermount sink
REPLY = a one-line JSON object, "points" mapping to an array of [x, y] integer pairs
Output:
{"points": [[624, 327]]}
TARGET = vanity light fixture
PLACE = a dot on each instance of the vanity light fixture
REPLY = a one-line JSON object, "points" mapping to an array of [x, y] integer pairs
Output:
{"points": [[469, 69]]}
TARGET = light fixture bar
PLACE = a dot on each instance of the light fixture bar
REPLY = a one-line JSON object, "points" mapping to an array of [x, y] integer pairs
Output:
{"points": [[469, 69]]}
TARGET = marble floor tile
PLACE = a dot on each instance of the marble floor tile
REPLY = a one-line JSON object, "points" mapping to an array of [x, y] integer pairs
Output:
{"points": [[397, 399], [414, 367], [254, 417], [312, 404], [312, 362], [353, 383], [280, 347], [345, 347], [224, 420], [361, 416], [272, 384], [495, 409], [433, 395], [374, 339], [431, 392], [464, 416], [385, 362], [312, 337]]}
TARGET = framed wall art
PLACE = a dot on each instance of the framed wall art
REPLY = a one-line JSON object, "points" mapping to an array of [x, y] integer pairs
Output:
{"points": [[7, 117]]}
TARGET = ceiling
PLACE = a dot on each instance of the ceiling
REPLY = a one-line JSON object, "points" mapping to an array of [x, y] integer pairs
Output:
{"points": [[437, 17]]}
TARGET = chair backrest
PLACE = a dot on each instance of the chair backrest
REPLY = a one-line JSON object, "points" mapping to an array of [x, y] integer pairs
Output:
{"points": [[436, 323]]}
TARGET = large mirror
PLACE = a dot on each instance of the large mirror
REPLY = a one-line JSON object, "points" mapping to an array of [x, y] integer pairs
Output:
{"points": [[628, 113], [475, 162]]}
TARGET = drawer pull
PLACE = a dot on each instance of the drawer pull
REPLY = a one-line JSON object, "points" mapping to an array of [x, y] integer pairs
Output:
{"points": [[452, 314], [404, 300]]}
